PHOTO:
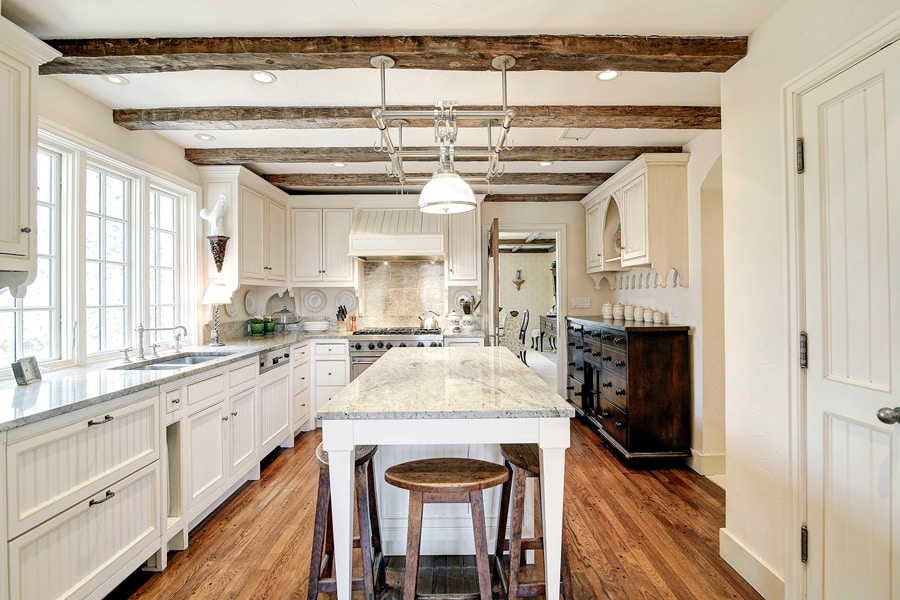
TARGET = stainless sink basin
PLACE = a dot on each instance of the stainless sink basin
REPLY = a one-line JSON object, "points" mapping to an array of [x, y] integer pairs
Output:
{"points": [[176, 362]]}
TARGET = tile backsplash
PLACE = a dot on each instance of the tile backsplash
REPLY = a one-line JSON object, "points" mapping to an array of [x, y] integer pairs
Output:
{"points": [[395, 293]]}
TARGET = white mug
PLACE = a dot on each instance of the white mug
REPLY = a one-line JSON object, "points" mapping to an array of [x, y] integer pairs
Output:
{"points": [[638, 314], [659, 317]]}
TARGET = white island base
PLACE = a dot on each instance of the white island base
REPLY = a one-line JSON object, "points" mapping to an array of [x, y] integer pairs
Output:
{"points": [[444, 400]]}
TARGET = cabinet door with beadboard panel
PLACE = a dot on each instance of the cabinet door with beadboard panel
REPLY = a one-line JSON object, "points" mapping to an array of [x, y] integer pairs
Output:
{"points": [[633, 196], [336, 262], [307, 244]]}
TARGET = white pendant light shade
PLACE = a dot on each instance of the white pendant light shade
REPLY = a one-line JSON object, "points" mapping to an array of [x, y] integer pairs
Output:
{"points": [[445, 194]]}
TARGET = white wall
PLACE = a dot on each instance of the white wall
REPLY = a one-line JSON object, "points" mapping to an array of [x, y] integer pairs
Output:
{"points": [[755, 164]]}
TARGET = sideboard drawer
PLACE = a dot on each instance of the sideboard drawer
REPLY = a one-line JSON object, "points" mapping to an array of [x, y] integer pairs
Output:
{"points": [[614, 421], [614, 389]]}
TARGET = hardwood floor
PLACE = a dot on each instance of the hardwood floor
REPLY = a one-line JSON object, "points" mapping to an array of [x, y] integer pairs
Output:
{"points": [[634, 534]]}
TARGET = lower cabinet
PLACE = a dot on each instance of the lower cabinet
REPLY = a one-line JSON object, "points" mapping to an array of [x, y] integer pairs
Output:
{"points": [[275, 409], [300, 379], [330, 370], [464, 340], [206, 451]]}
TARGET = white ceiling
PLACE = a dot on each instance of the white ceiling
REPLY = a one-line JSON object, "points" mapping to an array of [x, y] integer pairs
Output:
{"points": [[55, 19]]}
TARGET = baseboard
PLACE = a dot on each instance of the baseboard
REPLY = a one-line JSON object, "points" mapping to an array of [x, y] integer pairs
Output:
{"points": [[707, 464], [749, 566]]}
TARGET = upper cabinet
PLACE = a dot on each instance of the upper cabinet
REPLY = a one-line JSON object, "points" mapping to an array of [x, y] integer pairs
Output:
{"points": [[321, 243], [638, 217], [254, 220], [20, 56], [463, 248]]}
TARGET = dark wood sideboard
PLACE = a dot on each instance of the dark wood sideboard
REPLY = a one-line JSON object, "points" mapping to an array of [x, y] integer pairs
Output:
{"points": [[632, 383]]}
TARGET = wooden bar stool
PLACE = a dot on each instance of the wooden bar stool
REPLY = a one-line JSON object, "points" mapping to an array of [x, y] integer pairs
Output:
{"points": [[321, 564], [442, 480], [524, 462]]}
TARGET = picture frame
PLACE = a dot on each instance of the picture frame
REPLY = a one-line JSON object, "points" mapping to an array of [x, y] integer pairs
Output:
{"points": [[26, 370]]}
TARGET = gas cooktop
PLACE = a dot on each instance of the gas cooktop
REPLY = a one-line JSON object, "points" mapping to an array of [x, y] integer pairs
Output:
{"points": [[381, 331]]}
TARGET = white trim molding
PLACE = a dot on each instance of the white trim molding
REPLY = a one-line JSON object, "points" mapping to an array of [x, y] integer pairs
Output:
{"points": [[751, 567]]}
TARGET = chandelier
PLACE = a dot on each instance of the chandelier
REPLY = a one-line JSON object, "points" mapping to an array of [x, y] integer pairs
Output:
{"points": [[446, 192]]}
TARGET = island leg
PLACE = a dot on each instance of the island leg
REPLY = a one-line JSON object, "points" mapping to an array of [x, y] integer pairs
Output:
{"points": [[553, 444], [337, 440]]}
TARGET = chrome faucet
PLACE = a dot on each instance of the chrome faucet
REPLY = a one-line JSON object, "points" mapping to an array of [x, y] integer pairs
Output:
{"points": [[141, 329]]}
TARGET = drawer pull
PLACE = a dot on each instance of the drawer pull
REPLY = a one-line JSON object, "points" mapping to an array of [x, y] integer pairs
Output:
{"points": [[225, 418], [595, 334], [109, 495], [605, 337], [620, 425], [596, 353], [607, 384], [176, 400], [619, 363], [234, 414], [620, 392], [106, 419], [571, 364], [619, 340], [604, 414], [576, 394], [579, 368], [570, 387], [607, 358], [579, 347]]}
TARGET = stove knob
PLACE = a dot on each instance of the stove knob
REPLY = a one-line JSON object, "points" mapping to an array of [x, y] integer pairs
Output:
{"points": [[389, 345], [371, 346], [381, 344], [434, 344], [357, 346], [403, 344], [421, 344]]}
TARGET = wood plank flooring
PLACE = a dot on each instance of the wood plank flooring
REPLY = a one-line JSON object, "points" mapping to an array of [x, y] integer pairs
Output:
{"points": [[649, 534]]}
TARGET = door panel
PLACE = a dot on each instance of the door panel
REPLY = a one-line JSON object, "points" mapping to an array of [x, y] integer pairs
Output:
{"points": [[851, 205]]}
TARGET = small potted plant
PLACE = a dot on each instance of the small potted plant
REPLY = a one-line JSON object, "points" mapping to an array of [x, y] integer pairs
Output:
{"points": [[269, 325], [257, 326]]}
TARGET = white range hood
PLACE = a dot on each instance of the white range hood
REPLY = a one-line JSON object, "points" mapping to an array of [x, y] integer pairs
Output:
{"points": [[397, 234]]}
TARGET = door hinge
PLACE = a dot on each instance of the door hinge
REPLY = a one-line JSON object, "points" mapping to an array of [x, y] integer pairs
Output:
{"points": [[804, 544], [804, 362], [800, 161]]}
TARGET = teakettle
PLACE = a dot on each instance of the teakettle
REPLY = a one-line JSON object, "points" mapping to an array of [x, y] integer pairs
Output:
{"points": [[429, 320]]}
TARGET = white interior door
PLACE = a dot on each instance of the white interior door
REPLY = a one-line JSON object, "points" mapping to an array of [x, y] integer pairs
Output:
{"points": [[851, 204]]}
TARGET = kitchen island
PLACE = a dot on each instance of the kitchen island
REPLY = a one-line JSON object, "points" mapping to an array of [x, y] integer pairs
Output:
{"points": [[446, 396]]}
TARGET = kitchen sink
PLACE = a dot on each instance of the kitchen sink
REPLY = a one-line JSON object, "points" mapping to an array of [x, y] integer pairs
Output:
{"points": [[175, 362]]}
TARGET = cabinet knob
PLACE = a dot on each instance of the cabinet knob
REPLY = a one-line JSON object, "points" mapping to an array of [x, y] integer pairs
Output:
{"points": [[620, 392], [570, 387], [579, 368], [607, 358], [596, 354], [176, 400], [607, 384], [619, 340], [604, 414], [25, 230], [620, 425], [619, 363], [577, 394], [225, 418], [571, 364], [234, 414]]}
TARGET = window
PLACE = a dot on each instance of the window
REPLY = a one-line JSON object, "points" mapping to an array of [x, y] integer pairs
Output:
{"points": [[111, 252], [107, 261], [165, 256], [31, 325]]}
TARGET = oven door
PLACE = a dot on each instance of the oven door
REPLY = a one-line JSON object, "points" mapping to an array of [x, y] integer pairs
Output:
{"points": [[361, 362]]}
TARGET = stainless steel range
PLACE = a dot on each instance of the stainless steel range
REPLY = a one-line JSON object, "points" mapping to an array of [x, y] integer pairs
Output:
{"points": [[368, 344]]}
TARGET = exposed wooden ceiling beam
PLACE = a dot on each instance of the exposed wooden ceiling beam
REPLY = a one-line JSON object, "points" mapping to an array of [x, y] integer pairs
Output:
{"points": [[288, 180], [527, 250], [523, 242], [452, 53], [533, 197], [240, 156], [360, 117]]}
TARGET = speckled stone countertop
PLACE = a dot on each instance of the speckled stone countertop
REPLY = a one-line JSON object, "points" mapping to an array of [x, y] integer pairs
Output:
{"points": [[472, 333], [446, 383], [66, 390]]}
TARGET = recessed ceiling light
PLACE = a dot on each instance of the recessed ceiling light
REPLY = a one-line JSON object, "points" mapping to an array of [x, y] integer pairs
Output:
{"points": [[116, 79], [575, 133], [607, 75], [205, 137], [339, 164], [263, 77], [545, 163]]}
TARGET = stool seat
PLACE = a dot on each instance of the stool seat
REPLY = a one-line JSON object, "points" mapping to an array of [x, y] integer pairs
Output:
{"points": [[524, 456], [445, 480], [446, 475], [362, 454]]}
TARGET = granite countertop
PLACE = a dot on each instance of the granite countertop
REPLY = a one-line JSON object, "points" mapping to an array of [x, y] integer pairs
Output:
{"points": [[66, 390], [447, 383], [472, 333]]}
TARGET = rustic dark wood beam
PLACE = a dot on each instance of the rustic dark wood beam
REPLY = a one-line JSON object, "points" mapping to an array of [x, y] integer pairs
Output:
{"points": [[527, 250], [533, 197], [241, 156], [523, 242], [452, 53], [360, 117], [288, 180]]}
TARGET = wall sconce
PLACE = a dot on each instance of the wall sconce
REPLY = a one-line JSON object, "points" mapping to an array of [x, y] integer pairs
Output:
{"points": [[217, 240], [518, 280]]}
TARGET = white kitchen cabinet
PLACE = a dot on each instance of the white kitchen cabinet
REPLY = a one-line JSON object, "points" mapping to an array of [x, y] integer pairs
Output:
{"points": [[255, 222], [205, 443], [83, 494], [330, 368], [20, 56], [300, 386], [459, 340], [463, 249], [638, 217], [241, 432], [262, 245], [320, 239], [275, 410]]}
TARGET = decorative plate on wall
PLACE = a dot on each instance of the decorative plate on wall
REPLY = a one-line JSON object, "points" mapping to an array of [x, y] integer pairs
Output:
{"points": [[345, 298], [231, 309], [250, 303], [460, 296], [314, 301]]}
